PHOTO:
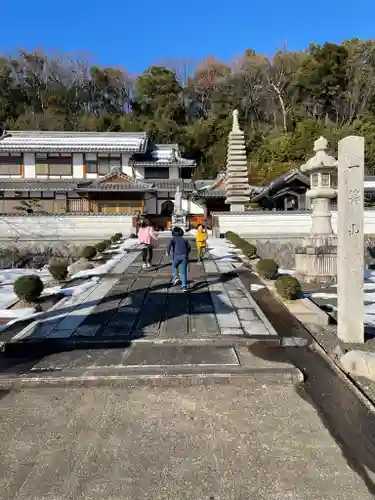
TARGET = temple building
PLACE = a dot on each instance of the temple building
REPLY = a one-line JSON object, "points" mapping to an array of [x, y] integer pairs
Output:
{"points": [[91, 172], [288, 192]]}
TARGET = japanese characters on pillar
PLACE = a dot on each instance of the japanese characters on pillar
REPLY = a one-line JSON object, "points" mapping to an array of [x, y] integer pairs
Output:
{"points": [[350, 268]]}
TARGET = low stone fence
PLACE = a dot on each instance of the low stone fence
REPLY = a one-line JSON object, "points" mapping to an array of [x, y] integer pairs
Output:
{"points": [[68, 228], [275, 224]]}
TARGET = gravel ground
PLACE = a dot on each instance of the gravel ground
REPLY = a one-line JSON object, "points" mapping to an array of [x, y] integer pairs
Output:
{"points": [[201, 443]]}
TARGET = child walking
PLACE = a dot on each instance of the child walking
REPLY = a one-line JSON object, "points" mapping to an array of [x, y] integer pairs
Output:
{"points": [[201, 239], [149, 240], [180, 257]]}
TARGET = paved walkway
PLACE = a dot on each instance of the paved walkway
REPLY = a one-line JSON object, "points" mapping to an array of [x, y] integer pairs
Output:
{"points": [[145, 304], [142, 304]]}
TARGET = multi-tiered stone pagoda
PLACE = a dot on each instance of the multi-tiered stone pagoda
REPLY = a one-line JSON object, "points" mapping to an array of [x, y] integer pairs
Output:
{"points": [[237, 184]]}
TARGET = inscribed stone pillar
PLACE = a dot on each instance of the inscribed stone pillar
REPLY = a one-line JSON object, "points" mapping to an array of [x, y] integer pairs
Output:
{"points": [[350, 239]]}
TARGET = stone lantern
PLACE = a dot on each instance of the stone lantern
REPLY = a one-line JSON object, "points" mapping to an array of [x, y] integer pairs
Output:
{"points": [[316, 259]]}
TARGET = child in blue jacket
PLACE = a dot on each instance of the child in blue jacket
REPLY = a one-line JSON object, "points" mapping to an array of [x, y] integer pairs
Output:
{"points": [[180, 252]]}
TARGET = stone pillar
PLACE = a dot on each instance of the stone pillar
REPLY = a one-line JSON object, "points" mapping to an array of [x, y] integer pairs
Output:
{"points": [[350, 239], [237, 183]]}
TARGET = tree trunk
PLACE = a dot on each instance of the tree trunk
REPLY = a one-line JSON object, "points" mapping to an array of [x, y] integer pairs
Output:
{"points": [[282, 105]]}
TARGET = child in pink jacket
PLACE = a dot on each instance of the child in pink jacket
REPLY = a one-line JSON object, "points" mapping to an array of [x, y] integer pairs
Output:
{"points": [[149, 240]]}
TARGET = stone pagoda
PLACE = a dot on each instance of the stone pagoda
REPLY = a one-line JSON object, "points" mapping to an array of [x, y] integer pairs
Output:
{"points": [[237, 187], [316, 259]]}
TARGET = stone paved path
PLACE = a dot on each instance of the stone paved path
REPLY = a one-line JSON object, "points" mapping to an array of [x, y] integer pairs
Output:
{"points": [[126, 332], [144, 304]]}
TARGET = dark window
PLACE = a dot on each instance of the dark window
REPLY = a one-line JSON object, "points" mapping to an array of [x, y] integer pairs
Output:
{"points": [[53, 164], [91, 167], [156, 173], [104, 164], [11, 163]]}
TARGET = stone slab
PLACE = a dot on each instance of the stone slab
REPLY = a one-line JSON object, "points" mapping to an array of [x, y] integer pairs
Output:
{"points": [[232, 331], [247, 314], [255, 328], [202, 318], [142, 356], [225, 313]]}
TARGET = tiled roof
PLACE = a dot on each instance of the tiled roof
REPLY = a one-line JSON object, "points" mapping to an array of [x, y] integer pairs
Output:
{"points": [[278, 183], [96, 185], [37, 185], [117, 174], [180, 163], [171, 184], [162, 155], [40, 141], [210, 193], [114, 186]]}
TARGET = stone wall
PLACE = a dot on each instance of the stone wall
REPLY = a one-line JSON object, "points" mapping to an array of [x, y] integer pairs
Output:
{"points": [[282, 250], [67, 228], [36, 255]]}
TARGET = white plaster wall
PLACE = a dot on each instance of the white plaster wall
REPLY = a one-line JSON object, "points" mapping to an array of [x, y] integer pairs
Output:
{"points": [[126, 168], [276, 224], [29, 165], [78, 165], [67, 228], [174, 173], [151, 205], [192, 208], [139, 172]]}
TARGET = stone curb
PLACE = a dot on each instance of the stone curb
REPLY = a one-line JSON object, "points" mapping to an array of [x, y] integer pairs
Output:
{"points": [[245, 378], [48, 346]]}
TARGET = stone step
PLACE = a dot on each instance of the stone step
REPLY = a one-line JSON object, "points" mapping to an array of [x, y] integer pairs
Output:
{"points": [[44, 346], [156, 364], [170, 377]]}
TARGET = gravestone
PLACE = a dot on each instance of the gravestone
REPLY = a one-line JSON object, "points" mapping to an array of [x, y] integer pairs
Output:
{"points": [[350, 263]]}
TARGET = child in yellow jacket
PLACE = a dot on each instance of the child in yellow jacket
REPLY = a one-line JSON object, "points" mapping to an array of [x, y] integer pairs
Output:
{"points": [[201, 238]]}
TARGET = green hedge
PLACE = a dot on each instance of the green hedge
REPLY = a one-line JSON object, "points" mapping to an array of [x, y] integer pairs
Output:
{"points": [[28, 288], [267, 268], [101, 246], [116, 237], [89, 252], [288, 287], [247, 248], [58, 269]]}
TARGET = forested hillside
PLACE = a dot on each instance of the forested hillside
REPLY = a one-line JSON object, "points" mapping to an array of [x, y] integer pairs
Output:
{"points": [[285, 101]]}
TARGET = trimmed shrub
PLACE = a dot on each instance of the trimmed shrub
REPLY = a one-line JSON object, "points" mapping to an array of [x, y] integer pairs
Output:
{"points": [[116, 237], [267, 268], [28, 288], [88, 252], [58, 269], [247, 248], [288, 287], [101, 246]]}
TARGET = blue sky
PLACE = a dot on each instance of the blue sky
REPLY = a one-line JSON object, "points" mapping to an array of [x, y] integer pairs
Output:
{"points": [[135, 34]]}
